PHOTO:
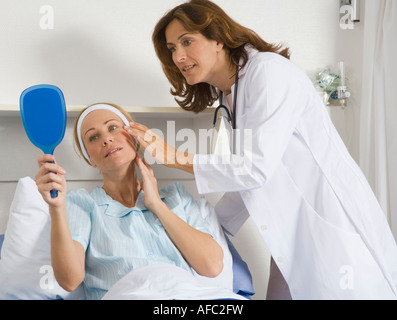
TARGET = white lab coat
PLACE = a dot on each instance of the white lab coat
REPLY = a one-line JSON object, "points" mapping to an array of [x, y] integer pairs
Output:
{"points": [[307, 196]]}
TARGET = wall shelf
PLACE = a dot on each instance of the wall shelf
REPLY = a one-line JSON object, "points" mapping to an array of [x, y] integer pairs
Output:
{"points": [[12, 110]]}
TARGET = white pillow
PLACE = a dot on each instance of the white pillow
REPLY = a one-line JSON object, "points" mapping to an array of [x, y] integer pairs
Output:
{"points": [[25, 265]]}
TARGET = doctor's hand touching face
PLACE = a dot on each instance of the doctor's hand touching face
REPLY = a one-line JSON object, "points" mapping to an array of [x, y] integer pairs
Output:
{"points": [[159, 149]]}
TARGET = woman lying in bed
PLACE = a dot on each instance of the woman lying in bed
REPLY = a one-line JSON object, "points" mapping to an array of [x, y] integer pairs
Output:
{"points": [[100, 236]]}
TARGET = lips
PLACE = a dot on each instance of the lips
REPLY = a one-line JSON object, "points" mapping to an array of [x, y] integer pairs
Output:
{"points": [[112, 151], [188, 67]]}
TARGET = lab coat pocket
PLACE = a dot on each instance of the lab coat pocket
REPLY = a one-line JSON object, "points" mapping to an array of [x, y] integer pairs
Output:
{"points": [[343, 267]]}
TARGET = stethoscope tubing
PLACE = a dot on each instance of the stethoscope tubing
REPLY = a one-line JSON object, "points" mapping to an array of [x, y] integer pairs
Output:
{"points": [[230, 118]]}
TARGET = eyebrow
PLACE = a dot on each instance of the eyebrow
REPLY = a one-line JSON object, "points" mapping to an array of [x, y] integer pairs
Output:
{"points": [[182, 35], [106, 122]]}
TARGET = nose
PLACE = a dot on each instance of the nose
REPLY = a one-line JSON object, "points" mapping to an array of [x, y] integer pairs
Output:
{"points": [[107, 140], [179, 55]]}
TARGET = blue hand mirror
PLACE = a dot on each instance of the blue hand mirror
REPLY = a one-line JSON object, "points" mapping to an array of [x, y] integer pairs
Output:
{"points": [[43, 114]]}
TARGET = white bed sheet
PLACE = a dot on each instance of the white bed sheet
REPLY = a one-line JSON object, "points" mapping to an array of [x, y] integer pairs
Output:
{"points": [[165, 282]]}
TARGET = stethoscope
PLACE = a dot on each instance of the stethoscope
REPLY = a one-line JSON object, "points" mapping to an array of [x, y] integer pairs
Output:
{"points": [[230, 118]]}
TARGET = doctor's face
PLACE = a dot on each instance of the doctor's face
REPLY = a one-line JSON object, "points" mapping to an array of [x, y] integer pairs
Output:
{"points": [[107, 143], [196, 56]]}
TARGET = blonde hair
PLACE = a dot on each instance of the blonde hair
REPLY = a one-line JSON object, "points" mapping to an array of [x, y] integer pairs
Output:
{"points": [[76, 139]]}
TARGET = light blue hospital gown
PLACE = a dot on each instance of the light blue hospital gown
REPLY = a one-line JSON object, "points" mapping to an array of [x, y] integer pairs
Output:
{"points": [[118, 239]]}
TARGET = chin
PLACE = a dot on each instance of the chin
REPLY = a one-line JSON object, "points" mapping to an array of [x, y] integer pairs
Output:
{"points": [[119, 161], [119, 165], [193, 80], [190, 82]]}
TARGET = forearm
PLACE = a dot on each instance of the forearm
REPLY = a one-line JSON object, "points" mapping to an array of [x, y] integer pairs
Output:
{"points": [[66, 254], [199, 249], [183, 161]]}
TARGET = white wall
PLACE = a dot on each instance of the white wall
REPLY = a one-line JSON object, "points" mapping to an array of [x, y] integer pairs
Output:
{"points": [[101, 50]]}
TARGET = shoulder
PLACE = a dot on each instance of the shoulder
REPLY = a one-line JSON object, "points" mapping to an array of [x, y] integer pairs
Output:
{"points": [[271, 60], [173, 190], [81, 198], [176, 194], [256, 57], [270, 65], [78, 194]]}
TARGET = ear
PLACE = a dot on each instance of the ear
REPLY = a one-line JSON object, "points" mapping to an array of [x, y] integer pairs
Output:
{"points": [[219, 46]]}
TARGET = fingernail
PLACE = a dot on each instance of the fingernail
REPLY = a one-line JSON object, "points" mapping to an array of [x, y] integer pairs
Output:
{"points": [[129, 131], [132, 123], [126, 127]]}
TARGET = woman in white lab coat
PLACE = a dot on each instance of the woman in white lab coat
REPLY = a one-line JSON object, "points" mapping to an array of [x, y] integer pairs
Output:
{"points": [[293, 175]]}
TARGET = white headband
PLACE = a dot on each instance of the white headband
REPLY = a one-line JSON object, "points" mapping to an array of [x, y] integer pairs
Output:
{"points": [[86, 112]]}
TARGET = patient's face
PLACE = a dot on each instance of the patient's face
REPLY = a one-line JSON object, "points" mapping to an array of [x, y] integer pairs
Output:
{"points": [[107, 143]]}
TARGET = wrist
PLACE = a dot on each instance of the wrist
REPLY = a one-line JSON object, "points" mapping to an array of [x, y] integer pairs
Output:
{"points": [[158, 208], [57, 210], [184, 161]]}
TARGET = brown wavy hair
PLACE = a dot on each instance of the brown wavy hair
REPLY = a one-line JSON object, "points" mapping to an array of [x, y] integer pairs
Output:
{"points": [[210, 20]]}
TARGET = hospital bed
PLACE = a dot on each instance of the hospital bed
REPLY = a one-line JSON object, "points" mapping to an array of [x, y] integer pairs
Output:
{"points": [[26, 272]]}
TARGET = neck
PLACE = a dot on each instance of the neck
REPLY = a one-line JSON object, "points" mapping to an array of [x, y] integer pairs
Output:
{"points": [[224, 75], [122, 185]]}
